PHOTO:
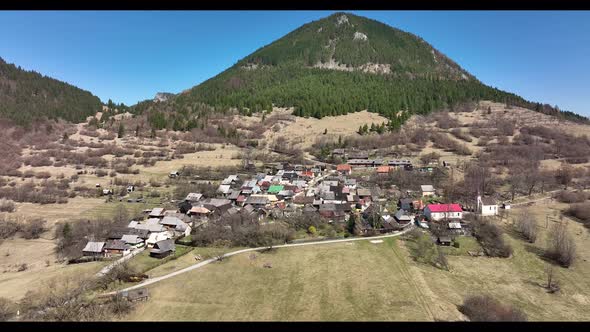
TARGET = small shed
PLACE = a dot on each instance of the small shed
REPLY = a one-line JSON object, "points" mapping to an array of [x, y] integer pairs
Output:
{"points": [[139, 294]]}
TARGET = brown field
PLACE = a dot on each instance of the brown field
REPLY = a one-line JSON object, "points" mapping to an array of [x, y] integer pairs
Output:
{"points": [[305, 130], [216, 158], [36, 254]]}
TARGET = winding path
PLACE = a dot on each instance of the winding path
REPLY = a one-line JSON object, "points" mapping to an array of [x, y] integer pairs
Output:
{"points": [[211, 260]]}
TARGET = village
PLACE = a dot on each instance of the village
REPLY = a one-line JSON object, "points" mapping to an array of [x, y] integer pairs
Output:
{"points": [[330, 193]]}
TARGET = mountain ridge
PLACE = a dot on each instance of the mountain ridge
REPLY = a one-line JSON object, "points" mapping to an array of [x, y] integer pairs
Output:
{"points": [[26, 95]]}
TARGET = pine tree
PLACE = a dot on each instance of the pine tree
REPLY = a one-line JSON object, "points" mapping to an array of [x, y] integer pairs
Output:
{"points": [[121, 131]]}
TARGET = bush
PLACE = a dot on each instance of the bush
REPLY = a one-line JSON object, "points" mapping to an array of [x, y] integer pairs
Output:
{"points": [[527, 226], [7, 309], [425, 251], [312, 230], [561, 246], [580, 211], [487, 309], [33, 228], [571, 196], [490, 236], [461, 135], [9, 228], [100, 173], [43, 175], [7, 205]]}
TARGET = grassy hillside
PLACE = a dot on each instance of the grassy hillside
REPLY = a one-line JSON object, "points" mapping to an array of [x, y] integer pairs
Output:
{"points": [[362, 281]]}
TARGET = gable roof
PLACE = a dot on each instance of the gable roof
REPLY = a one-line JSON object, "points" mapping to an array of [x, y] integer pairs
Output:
{"points": [[164, 246], [247, 209], [444, 207], [363, 192], [427, 187], [234, 194], [157, 212], [193, 196], [171, 221], [152, 228], [217, 202], [343, 167], [275, 188], [383, 169], [488, 201], [257, 200], [455, 225], [116, 245], [131, 239], [199, 210], [94, 247], [224, 188], [141, 233]]}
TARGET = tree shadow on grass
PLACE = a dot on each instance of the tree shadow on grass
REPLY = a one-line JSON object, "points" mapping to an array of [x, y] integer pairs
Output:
{"points": [[513, 233], [541, 253], [535, 283]]}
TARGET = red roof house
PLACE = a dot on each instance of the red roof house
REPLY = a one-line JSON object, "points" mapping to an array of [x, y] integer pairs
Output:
{"points": [[443, 211], [344, 168]]}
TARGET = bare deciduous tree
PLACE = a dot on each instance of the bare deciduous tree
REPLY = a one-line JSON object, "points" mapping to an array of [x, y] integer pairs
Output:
{"points": [[561, 246], [527, 226]]}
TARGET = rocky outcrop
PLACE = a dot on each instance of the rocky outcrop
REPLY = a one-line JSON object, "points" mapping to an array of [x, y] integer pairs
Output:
{"points": [[162, 96]]}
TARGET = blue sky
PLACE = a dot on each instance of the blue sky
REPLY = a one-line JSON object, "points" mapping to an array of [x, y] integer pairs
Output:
{"points": [[128, 56]]}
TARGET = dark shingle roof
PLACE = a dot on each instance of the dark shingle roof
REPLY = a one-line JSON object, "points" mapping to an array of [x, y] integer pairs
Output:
{"points": [[116, 245], [164, 246]]}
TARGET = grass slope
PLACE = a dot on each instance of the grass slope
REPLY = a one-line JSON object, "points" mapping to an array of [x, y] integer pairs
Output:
{"points": [[364, 282]]}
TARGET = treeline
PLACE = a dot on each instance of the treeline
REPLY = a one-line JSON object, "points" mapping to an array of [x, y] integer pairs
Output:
{"points": [[319, 92], [27, 95]]}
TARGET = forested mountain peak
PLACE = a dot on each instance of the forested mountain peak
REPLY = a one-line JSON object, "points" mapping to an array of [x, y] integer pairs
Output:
{"points": [[28, 95], [349, 42]]}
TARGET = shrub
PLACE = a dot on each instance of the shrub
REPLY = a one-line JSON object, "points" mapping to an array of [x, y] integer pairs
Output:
{"points": [[461, 135], [580, 211], [43, 175], [561, 246], [527, 226], [9, 228], [312, 230], [33, 228], [490, 237], [571, 196], [7, 309], [101, 173], [28, 173], [7, 205], [487, 309]]}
